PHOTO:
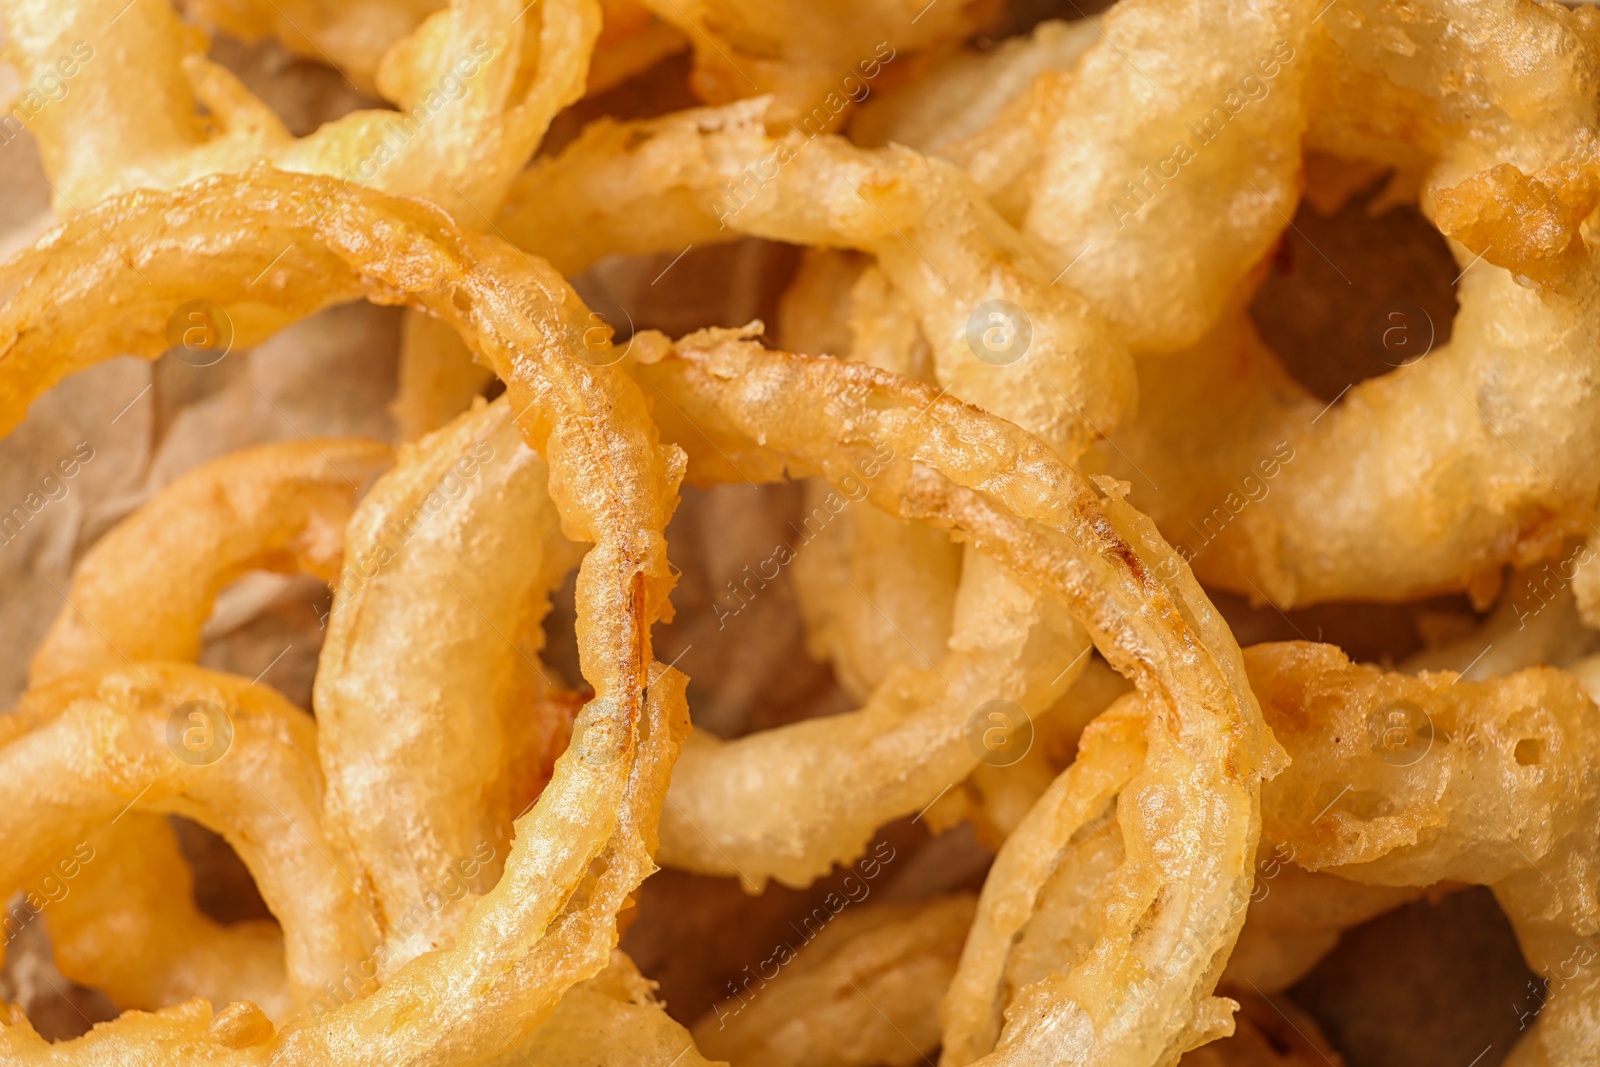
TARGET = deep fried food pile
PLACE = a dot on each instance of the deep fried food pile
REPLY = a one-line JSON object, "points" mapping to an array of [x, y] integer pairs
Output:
{"points": [[1024, 455]]}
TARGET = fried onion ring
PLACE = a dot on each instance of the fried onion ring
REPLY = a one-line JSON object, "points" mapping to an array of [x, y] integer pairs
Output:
{"points": [[470, 499], [708, 175], [130, 928], [135, 124], [1013, 498], [275, 507], [1501, 469], [308, 242], [1488, 783], [80, 751], [144, 592]]}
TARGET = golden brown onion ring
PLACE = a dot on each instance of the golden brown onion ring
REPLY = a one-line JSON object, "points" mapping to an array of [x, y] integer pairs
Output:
{"points": [[80, 751], [145, 590], [460, 542], [1109, 756], [461, 132], [640, 186], [307, 242], [1162, 262], [1502, 470], [1427, 779], [1013, 498], [1284, 512], [129, 927], [711, 174]]}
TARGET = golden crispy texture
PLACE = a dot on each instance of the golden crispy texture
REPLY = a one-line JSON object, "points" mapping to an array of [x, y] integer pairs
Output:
{"points": [[989, 979], [1014, 499], [310, 241], [1166, 236], [647, 184], [967, 100], [1498, 471], [470, 1002], [1513, 487], [129, 927], [708, 175], [146, 589], [614, 1017], [861, 992], [355, 37], [461, 541], [815, 59], [475, 86], [1491, 782], [79, 751], [878, 590]]}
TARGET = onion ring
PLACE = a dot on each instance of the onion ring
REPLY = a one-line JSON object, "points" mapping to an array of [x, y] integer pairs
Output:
{"points": [[314, 241], [658, 184], [1506, 167], [278, 507], [472, 497], [80, 751], [1012, 497], [143, 593], [134, 123], [1479, 782], [130, 928]]}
